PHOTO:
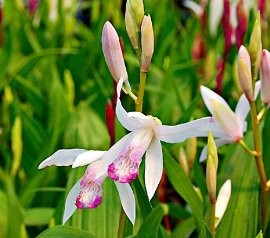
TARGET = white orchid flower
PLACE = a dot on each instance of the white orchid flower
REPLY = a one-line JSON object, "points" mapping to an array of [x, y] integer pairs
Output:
{"points": [[146, 132], [227, 126], [87, 192]]}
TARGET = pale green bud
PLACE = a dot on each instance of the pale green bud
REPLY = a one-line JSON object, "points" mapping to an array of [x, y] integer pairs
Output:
{"points": [[191, 150], [255, 44], [183, 161], [211, 168], [136, 10]]}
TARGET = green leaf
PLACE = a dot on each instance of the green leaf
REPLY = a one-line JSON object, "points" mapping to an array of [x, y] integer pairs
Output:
{"points": [[4, 214], [260, 235], [85, 129], [182, 185], [38, 216], [151, 225], [242, 211], [184, 229], [64, 232], [265, 143]]}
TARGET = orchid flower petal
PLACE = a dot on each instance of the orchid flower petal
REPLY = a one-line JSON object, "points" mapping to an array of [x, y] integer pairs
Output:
{"points": [[209, 95], [196, 128], [125, 167], [116, 149], [87, 157], [228, 121], [219, 142], [131, 121], [70, 206], [64, 157], [242, 107], [222, 201], [153, 167], [127, 200]]}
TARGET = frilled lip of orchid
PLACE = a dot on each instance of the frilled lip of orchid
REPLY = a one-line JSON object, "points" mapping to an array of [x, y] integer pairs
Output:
{"points": [[81, 157]]}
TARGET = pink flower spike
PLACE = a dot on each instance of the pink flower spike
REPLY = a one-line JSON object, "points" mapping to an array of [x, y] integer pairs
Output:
{"points": [[113, 53], [265, 77]]}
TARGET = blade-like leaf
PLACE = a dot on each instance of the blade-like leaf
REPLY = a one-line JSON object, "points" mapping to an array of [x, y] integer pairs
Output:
{"points": [[151, 225], [64, 232], [242, 211], [182, 185], [38, 216]]}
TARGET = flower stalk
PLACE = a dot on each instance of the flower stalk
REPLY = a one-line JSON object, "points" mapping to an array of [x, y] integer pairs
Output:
{"points": [[139, 101]]}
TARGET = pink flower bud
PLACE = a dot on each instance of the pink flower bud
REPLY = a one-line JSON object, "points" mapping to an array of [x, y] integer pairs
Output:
{"points": [[147, 43], [265, 77], [244, 73], [113, 53]]}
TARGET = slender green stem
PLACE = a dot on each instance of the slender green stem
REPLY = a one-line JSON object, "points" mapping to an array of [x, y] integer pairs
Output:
{"points": [[262, 112], [130, 93], [213, 218], [244, 145], [121, 226], [139, 102], [259, 161]]}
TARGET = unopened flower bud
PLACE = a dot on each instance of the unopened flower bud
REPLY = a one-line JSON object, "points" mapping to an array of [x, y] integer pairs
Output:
{"points": [[244, 73], [133, 19], [183, 160], [265, 77], [191, 150], [211, 168], [222, 201], [255, 44], [136, 9], [113, 53], [147, 39]]}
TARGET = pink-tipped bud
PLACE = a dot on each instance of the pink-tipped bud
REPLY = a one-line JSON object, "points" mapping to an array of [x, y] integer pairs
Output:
{"points": [[147, 38], [265, 77], [32, 6], [113, 53], [244, 73]]}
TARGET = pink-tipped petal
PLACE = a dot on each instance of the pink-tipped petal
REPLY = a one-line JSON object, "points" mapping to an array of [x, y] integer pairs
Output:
{"points": [[228, 121], [70, 206], [125, 167], [127, 200], [113, 53], [64, 157], [196, 128], [209, 95], [132, 120], [242, 107], [153, 167], [87, 157]]}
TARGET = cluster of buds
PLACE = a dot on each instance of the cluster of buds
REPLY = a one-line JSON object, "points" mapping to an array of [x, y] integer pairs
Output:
{"points": [[250, 62], [137, 24]]}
